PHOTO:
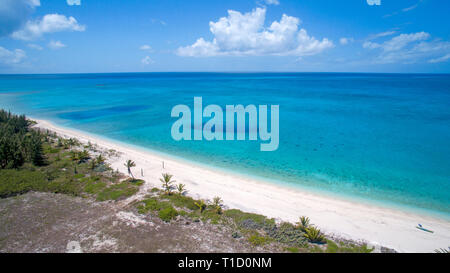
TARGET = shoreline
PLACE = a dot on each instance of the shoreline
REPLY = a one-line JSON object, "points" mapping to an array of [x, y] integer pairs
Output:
{"points": [[347, 219]]}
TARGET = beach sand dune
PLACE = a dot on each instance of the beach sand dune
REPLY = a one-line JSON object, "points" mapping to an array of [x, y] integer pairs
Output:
{"points": [[342, 218]]}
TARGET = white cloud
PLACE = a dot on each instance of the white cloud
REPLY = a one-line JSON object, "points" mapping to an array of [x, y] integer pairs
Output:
{"points": [[409, 48], [382, 34], [9, 57], [440, 59], [14, 14], [403, 10], [35, 46], [145, 48], [371, 45], [410, 8], [272, 2], [74, 2], [48, 24], [398, 42], [346, 41], [146, 60], [56, 45], [245, 34]]}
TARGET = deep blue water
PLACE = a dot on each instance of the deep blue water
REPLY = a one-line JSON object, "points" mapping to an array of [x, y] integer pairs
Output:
{"points": [[382, 137]]}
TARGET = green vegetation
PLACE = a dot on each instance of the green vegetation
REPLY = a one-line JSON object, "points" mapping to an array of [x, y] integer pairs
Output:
{"points": [[167, 214], [314, 235], [130, 164], [120, 190], [181, 189], [258, 240], [256, 229], [42, 161], [32, 160], [217, 204], [19, 144], [303, 224], [167, 183], [239, 216], [292, 249], [201, 205], [333, 247]]}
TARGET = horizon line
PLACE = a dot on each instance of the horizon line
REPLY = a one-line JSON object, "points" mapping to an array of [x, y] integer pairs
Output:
{"points": [[229, 72]]}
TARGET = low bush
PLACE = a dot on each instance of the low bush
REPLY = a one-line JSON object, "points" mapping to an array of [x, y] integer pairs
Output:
{"points": [[168, 214], [314, 235]]}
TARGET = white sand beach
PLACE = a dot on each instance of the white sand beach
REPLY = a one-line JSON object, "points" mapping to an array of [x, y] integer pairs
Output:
{"points": [[362, 222]]}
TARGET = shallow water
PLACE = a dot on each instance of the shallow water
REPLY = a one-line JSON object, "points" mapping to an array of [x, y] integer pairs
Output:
{"points": [[382, 137]]}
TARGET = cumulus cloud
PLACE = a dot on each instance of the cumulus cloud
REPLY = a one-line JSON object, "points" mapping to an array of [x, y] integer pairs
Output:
{"points": [[48, 24], [409, 48], [56, 45], [9, 57], [14, 14], [146, 60], [245, 34], [74, 2]]}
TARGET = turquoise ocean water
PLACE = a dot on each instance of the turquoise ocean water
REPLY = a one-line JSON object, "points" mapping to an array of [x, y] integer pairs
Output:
{"points": [[375, 137]]}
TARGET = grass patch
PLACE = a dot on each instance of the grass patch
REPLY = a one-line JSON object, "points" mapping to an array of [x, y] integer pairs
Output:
{"points": [[164, 208], [332, 247], [181, 201], [292, 249], [168, 214], [14, 182], [94, 187], [118, 191], [152, 204], [239, 216], [257, 240]]}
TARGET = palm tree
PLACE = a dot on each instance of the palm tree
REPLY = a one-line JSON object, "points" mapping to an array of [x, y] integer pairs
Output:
{"points": [[217, 203], [130, 164], [84, 155], [314, 235], [303, 224], [100, 159], [167, 182], [181, 188]]}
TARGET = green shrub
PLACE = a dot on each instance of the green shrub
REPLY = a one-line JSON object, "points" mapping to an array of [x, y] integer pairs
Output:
{"points": [[303, 224], [93, 187], [332, 247], [258, 240], [292, 249], [314, 235], [238, 216], [152, 204], [14, 182], [117, 191], [182, 201], [167, 214], [201, 205]]}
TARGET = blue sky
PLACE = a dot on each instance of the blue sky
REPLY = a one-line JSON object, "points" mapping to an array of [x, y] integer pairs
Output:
{"points": [[76, 36]]}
